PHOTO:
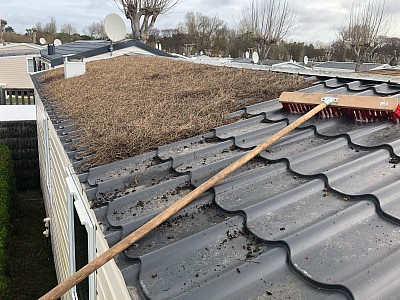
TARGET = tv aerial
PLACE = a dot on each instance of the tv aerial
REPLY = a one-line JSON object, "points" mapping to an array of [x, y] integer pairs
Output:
{"points": [[255, 57], [115, 29], [57, 42], [42, 41]]}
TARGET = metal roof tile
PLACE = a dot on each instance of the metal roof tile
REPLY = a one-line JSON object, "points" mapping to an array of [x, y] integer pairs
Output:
{"points": [[375, 169], [262, 183], [320, 159], [314, 216]]}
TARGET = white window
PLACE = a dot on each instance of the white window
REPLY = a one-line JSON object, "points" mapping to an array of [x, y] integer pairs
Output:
{"points": [[81, 236], [47, 156], [31, 65]]}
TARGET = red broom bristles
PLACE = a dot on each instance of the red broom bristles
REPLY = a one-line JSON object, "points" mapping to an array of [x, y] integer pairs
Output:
{"points": [[358, 114]]}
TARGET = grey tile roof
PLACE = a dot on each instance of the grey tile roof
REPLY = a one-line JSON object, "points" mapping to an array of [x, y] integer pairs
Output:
{"points": [[346, 65], [93, 48], [315, 216]]}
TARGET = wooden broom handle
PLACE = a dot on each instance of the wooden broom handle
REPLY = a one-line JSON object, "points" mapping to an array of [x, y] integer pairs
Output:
{"points": [[102, 259]]}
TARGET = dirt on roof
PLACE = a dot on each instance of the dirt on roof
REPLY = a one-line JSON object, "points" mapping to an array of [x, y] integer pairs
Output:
{"points": [[129, 105]]}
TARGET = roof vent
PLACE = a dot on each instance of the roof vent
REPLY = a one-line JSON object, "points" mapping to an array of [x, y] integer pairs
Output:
{"points": [[51, 49], [74, 66]]}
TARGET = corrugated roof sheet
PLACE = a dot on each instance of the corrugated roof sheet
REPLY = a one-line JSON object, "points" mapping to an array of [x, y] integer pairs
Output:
{"points": [[316, 215]]}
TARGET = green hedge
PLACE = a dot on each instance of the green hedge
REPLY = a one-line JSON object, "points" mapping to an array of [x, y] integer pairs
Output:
{"points": [[7, 192]]}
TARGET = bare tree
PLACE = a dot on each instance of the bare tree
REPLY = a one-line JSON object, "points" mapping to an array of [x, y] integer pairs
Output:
{"points": [[31, 32], [268, 22], [96, 30], [51, 26], [363, 26], [202, 30], [3, 24], [39, 27], [68, 29], [143, 14]]}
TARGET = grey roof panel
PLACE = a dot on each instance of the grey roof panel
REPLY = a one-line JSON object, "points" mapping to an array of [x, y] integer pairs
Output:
{"points": [[376, 135], [242, 126], [93, 48], [262, 183], [376, 169], [268, 276], [320, 159], [268, 219], [314, 216], [79, 48], [262, 107], [184, 146], [134, 181], [221, 262], [10, 53], [121, 167], [345, 246]]}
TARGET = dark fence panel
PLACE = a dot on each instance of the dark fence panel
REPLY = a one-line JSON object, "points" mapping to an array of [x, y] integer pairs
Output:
{"points": [[15, 96], [21, 138]]}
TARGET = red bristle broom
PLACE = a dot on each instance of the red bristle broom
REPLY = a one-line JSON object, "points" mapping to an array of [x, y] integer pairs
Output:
{"points": [[363, 108]]}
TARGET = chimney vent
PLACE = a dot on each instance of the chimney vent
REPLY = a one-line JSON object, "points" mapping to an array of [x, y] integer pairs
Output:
{"points": [[51, 49], [73, 66]]}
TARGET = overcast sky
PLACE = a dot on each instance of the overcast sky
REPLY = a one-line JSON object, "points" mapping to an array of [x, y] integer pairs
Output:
{"points": [[316, 19]]}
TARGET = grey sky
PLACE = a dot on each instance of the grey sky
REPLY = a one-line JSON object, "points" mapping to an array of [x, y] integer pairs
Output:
{"points": [[316, 19]]}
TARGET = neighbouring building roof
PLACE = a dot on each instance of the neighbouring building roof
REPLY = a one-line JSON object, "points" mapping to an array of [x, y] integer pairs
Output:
{"points": [[16, 60], [19, 49], [243, 60], [267, 62], [271, 62], [207, 59], [316, 215], [346, 65], [289, 64], [94, 48], [385, 70]]}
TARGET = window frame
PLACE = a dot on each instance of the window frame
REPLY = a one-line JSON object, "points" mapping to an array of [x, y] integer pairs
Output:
{"points": [[75, 202]]}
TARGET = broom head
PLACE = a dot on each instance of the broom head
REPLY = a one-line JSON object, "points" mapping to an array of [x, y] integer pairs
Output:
{"points": [[362, 108]]}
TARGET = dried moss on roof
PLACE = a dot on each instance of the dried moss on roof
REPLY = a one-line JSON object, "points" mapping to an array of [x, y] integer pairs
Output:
{"points": [[129, 105]]}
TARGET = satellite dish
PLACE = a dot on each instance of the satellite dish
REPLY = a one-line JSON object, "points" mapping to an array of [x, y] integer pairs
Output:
{"points": [[42, 41], [247, 54], [305, 60], [114, 27], [256, 58], [57, 42]]}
